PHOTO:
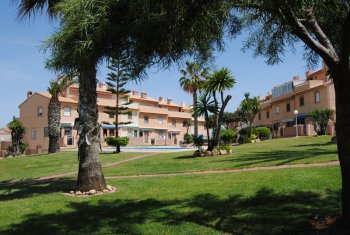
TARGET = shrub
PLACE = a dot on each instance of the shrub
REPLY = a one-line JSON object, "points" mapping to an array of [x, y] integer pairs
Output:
{"points": [[188, 138], [263, 132], [226, 147], [198, 141], [248, 131], [22, 147], [115, 141], [319, 119], [228, 136]]}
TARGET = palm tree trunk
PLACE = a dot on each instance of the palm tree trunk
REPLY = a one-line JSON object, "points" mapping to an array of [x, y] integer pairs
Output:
{"points": [[195, 121], [220, 118], [54, 119], [90, 174]]}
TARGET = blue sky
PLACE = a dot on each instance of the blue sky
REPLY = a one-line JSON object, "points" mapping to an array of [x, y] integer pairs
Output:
{"points": [[22, 66]]}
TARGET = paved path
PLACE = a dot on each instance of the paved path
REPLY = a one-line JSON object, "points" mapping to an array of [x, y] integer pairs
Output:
{"points": [[332, 163]]}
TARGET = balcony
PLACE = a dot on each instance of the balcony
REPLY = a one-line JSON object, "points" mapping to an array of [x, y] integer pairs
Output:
{"points": [[180, 115], [307, 85], [150, 109]]}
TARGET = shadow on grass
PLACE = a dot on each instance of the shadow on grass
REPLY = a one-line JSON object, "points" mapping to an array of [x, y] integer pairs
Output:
{"points": [[265, 212], [314, 145], [21, 190], [278, 157]]}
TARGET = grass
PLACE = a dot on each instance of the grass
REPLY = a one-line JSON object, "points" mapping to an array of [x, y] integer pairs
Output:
{"points": [[43, 165], [266, 153], [279, 201], [264, 202]]}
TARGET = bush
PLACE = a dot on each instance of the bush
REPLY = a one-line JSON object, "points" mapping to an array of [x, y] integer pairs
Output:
{"points": [[188, 138], [248, 131], [228, 136], [226, 147], [319, 119], [22, 147], [198, 141], [115, 141], [263, 132]]}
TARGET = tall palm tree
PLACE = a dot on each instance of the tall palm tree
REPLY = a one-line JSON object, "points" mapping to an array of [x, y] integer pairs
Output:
{"points": [[220, 81], [54, 110], [17, 131], [190, 82], [204, 107]]}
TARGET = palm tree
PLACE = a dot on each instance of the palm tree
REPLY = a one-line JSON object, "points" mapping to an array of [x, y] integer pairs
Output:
{"points": [[220, 81], [54, 110], [190, 82], [249, 108], [17, 131], [204, 107]]}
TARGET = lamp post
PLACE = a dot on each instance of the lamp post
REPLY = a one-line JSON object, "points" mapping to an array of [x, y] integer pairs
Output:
{"points": [[296, 121]]}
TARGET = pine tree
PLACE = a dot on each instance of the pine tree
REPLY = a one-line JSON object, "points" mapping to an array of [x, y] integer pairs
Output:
{"points": [[117, 79]]}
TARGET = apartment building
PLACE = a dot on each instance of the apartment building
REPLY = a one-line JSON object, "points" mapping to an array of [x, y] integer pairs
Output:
{"points": [[152, 121], [315, 91]]}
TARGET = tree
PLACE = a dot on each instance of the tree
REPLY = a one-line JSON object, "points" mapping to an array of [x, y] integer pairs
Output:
{"points": [[204, 107], [54, 110], [117, 79], [218, 82], [231, 120], [187, 124], [17, 131], [190, 82], [91, 31], [323, 27], [249, 108], [319, 119]]}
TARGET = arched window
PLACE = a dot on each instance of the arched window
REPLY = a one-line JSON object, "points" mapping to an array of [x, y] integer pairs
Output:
{"points": [[66, 111], [40, 111]]}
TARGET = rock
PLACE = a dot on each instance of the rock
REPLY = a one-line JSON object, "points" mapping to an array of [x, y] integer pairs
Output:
{"points": [[208, 153], [252, 141], [71, 192], [78, 193], [201, 154], [92, 192], [105, 190], [109, 188], [223, 152], [257, 140], [196, 153], [229, 151], [215, 152]]}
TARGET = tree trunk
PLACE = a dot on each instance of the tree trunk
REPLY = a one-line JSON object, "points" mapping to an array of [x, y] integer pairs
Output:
{"points": [[342, 87], [220, 118], [210, 147], [195, 121], [90, 174], [54, 119]]}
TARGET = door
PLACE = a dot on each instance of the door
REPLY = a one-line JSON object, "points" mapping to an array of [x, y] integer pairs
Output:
{"points": [[146, 135], [68, 133], [173, 136]]}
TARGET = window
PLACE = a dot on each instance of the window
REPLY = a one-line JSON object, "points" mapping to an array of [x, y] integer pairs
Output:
{"points": [[160, 120], [40, 111], [46, 132], [33, 133], [111, 115], [288, 107], [66, 111], [301, 101], [130, 115], [111, 132], [317, 97], [145, 120], [174, 123], [277, 109], [135, 133], [161, 135], [259, 116], [267, 114], [104, 132], [130, 133]]}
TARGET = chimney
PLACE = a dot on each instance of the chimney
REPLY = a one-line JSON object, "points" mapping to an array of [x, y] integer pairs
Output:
{"points": [[296, 78], [102, 85], [183, 104], [307, 73], [169, 101], [143, 95], [29, 94], [135, 93], [161, 98]]}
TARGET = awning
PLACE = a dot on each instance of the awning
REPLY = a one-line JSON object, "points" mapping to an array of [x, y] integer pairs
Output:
{"points": [[174, 131], [126, 127], [66, 124], [303, 115], [288, 120], [110, 127], [146, 129]]}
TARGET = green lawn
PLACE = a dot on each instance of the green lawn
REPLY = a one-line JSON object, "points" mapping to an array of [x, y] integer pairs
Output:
{"points": [[266, 153], [44, 165], [279, 201], [264, 202]]}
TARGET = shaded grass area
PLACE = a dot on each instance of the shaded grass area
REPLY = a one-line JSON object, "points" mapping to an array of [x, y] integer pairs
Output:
{"points": [[266, 153], [49, 164], [264, 202]]}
